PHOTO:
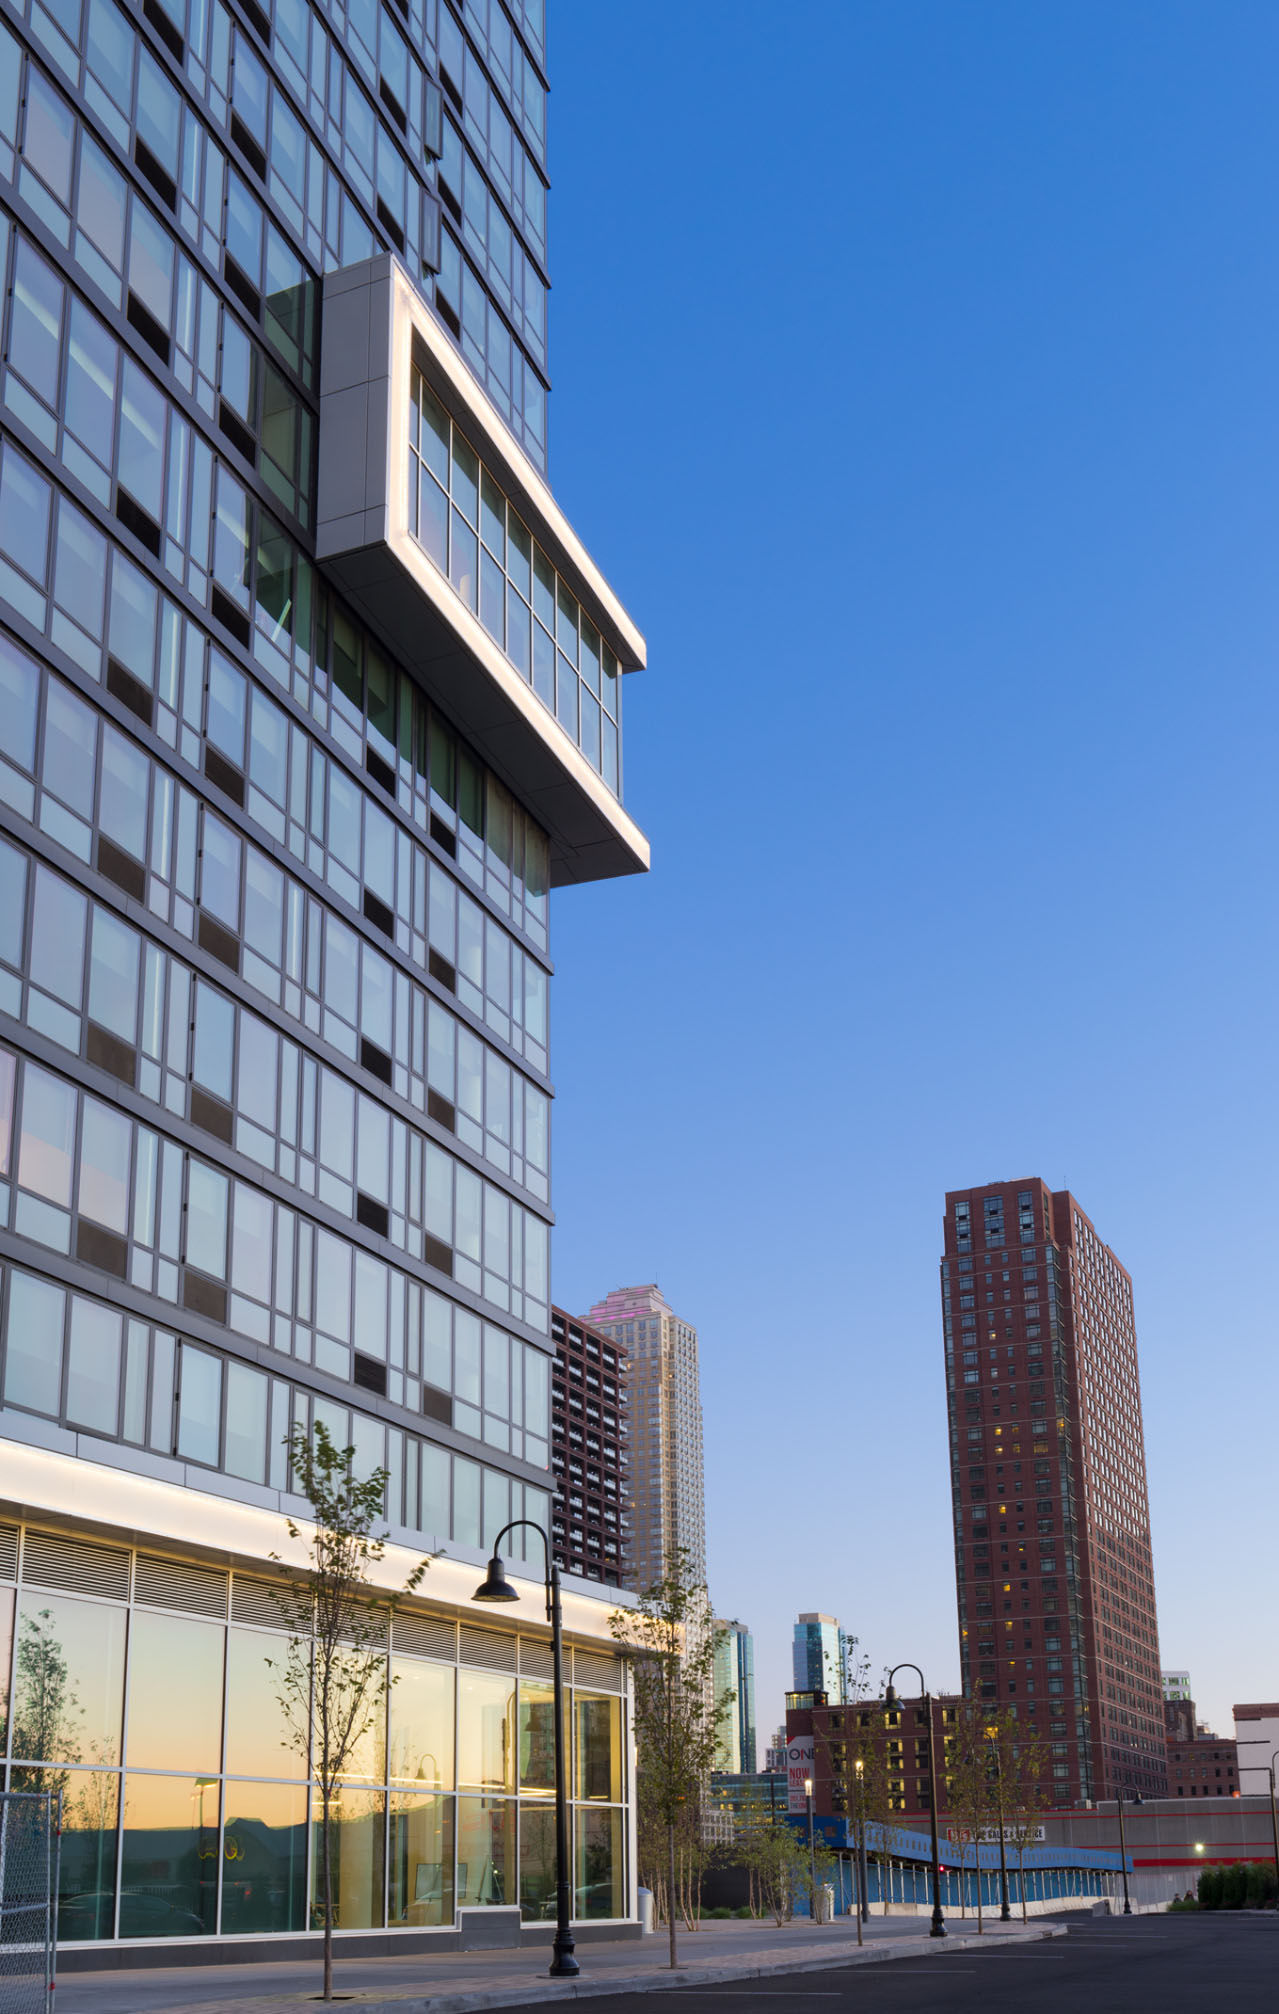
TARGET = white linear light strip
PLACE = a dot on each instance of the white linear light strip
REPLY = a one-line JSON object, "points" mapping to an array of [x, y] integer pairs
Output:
{"points": [[143, 1510]]}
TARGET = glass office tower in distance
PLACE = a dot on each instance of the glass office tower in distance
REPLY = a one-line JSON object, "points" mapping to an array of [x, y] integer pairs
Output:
{"points": [[310, 695], [819, 1655], [1048, 1473]]}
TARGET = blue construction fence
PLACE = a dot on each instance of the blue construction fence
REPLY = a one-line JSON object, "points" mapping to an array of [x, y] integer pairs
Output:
{"points": [[899, 1868]]}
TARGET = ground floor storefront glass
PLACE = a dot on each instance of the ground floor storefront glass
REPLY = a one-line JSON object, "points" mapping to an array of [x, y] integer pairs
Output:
{"points": [[186, 1807]]}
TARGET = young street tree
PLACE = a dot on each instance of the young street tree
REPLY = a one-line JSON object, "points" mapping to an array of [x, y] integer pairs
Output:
{"points": [[670, 1633], [1027, 1793], [333, 1680], [972, 1785]]}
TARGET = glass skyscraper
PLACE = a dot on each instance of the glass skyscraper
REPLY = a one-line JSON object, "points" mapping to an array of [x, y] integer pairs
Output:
{"points": [[309, 694], [819, 1655], [734, 1680]]}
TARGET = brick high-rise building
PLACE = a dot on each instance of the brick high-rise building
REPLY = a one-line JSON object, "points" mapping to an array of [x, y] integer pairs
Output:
{"points": [[589, 1429], [667, 1495], [1048, 1473]]}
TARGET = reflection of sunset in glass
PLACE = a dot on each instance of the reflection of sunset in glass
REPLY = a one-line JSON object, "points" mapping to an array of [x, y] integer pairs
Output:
{"points": [[260, 1739], [175, 1693], [169, 1866]]}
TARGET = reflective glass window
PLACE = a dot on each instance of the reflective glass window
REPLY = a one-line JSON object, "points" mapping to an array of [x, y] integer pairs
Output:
{"points": [[57, 937], [175, 1693], [169, 1856], [141, 440], [485, 1731], [367, 1758], [598, 1867], [93, 1366], [86, 1857], [200, 1406], [49, 141], [106, 1140], [113, 975], [537, 1736], [68, 1690], [486, 1868], [421, 1870], [206, 1219], [358, 1856], [19, 705], [122, 802], [225, 725], [537, 1863], [33, 1344], [246, 1415], [70, 747], [421, 1723], [220, 872], [45, 1153], [262, 1735], [214, 1040], [598, 1748], [35, 324], [264, 1858]]}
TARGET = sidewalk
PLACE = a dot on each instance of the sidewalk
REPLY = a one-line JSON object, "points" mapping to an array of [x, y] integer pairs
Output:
{"points": [[460, 1983]]}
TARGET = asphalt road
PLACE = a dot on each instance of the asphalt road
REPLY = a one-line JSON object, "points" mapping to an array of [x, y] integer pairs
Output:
{"points": [[1139, 1965]]}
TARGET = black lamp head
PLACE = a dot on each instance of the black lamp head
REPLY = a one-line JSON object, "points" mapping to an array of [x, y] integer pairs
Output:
{"points": [[891, 1700], [496, 1586]]}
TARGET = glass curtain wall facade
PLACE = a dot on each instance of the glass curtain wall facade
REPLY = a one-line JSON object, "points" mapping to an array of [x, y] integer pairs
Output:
{"points": [[274, 931], [186, 1808]]}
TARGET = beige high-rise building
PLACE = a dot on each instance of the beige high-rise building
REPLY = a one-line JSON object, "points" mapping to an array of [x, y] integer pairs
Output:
{"points": [[667, 1492]]}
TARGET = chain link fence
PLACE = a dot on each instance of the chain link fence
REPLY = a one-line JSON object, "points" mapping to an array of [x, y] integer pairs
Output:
{"points": [[30, 1823]]}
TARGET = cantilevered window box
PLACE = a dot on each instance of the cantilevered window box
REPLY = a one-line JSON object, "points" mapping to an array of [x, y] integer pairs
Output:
{"points": [[438, 528]]}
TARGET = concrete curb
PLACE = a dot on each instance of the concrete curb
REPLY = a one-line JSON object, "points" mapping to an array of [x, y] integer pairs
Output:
{"points": [[544, 1992]]}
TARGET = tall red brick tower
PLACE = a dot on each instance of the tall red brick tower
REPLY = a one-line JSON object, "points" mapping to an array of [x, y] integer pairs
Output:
{"points": [[1048, 1474]]}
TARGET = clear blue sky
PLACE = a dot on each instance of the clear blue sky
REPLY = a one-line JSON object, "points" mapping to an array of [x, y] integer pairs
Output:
{"points": [[915, 384]]}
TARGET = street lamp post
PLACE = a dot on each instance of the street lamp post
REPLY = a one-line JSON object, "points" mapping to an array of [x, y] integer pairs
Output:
{"points": [[1123, 1851], [891, 1702], [1274, 1824], [496, 1587], [863, 1899], [812, 1848], [1005, 1913]]}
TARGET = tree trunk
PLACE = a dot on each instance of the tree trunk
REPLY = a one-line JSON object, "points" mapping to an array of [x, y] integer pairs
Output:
{"points": [[670, 1912], [325, 1822], [979, 1894]]}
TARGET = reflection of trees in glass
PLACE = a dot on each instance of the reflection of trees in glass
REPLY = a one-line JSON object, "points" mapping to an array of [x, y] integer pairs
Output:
{"points": [[47, 1715], [597, 1857], [88, 1804]]}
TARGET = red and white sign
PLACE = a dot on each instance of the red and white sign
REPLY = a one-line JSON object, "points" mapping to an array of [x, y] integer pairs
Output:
{"points": [[799, 1770]]}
